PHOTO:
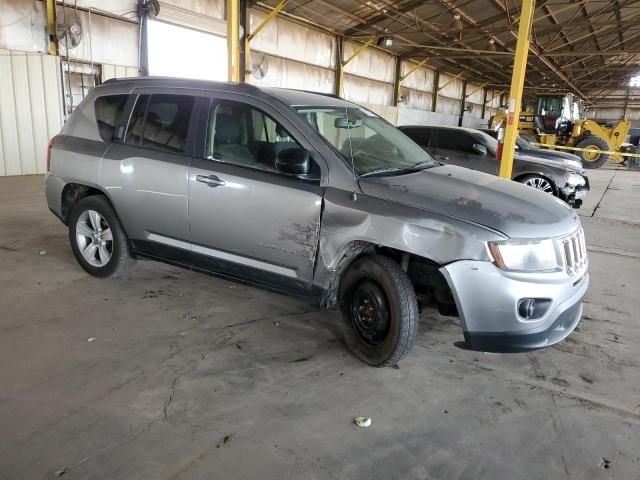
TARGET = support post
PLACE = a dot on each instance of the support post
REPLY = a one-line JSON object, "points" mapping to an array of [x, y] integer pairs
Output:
{"points": [[463, 102], [51, 27], [233, 40], [626, 103], [517, 85], [245, 48], [434, 96], [143, 48], [396, 82], [484, 103], [339, 68]]}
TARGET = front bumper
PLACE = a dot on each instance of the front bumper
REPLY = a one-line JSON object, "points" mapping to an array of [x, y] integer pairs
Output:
{"points": [[487, 299], [574, 195]]}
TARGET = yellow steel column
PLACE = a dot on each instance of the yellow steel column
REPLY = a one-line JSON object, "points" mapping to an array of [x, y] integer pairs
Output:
{"points": [[340, 67], [51, 27], [517, 85], [233, 40], [250, 36]]}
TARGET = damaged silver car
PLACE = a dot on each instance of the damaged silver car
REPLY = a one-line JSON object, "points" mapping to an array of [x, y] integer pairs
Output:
{"points": [[310, 195]]}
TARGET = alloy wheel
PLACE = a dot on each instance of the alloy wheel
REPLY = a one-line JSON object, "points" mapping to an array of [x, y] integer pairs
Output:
{"points": [[94, 238], [539, 183]]}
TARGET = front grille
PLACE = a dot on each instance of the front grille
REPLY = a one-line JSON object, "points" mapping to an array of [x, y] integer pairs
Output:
{"points": [[574, 251]]}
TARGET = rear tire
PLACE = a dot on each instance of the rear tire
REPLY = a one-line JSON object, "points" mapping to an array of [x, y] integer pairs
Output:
{"points": [[380, 309], [593, 160], [97, 238]]}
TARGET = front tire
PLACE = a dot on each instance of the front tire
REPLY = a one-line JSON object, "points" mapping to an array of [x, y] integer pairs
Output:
{"points": [[97, 238], [594, 158], [380, 309], [539, 183]]}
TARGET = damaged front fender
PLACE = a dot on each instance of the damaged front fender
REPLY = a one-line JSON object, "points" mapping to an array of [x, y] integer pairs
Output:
{"points": [[350, 228]]}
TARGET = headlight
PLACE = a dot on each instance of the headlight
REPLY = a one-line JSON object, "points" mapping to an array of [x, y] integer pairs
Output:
{"points": [[574, 179], [527, 255]]}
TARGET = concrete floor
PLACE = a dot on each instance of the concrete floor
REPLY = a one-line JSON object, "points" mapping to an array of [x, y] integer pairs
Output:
{"points": [[193, 377]]}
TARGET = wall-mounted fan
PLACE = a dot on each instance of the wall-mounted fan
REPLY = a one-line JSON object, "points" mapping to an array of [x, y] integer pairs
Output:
{"points": [[69, 30], [259, 66], [468, 107], [404, 98]]}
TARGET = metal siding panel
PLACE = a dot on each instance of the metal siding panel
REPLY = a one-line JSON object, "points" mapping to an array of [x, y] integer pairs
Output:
{"points": [[131, 72], [108, 71], [9, 119], [4, 70], [38, 111], [53, 94], [23, 114], [120, 71]]}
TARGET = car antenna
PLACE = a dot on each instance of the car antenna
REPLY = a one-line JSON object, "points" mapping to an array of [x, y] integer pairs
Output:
{"points": [[354, 195]]}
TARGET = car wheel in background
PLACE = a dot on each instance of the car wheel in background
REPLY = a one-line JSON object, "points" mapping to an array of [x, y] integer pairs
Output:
{"points": [[381, 310], [539, 183], [593, 158], [97, 238]]}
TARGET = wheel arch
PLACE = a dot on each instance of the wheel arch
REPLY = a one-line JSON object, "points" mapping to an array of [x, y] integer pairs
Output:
{"points": [[423, 272], [73, 192]]}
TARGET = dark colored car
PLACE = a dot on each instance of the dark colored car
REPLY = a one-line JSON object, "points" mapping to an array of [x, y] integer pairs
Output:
{"points": [[470, 148], [525, 147]]}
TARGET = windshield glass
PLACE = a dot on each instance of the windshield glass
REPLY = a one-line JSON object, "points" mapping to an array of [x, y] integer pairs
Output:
{"points": [[525, 144], [376, 147]]}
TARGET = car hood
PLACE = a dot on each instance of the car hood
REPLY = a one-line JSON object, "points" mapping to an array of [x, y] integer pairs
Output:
{"points": [[513, 209], [553, 155], [568, 165]]}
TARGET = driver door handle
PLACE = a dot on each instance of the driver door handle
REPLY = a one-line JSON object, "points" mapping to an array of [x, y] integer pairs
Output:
{"points": [[440, 157], [210, 180]]}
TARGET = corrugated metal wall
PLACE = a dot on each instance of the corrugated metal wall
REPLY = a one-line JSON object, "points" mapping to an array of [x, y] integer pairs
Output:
{"points": [[117, 71], [297, 56], [30, 110]]}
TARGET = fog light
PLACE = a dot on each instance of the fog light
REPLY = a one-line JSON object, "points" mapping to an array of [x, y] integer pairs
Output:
{"points": [[533, 308], [527, 308]]}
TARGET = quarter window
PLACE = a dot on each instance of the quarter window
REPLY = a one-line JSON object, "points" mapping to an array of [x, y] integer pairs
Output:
{"points": [[161, 122], [109, 110]]}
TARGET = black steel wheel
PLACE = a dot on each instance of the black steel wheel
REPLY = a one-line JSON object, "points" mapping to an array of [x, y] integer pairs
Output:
{"points": [[370, 316], [380, 309]]}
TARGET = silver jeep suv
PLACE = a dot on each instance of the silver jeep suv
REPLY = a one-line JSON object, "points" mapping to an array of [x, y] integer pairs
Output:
{"points": [[311, 195]]}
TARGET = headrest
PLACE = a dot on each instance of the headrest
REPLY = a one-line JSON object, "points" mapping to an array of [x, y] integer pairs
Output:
{"points": [[227, 130]]}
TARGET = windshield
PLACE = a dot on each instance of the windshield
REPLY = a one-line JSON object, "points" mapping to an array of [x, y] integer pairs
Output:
{"points": [[375, 146], [524, 144]]}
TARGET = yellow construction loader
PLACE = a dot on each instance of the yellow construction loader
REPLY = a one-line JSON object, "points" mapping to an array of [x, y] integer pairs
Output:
{"points": [[559, 120]]}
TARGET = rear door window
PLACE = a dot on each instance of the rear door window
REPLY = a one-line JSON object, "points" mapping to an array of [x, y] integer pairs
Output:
{"points": [[161, 122], [456, 140], [108, 109], [420, 135]]}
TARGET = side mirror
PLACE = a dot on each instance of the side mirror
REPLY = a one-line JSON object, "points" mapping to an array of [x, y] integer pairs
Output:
{"points": [[118, 134], [479, 148], [294, 161]]}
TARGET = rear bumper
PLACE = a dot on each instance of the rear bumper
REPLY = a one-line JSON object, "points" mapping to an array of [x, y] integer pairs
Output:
{"points": [[53, 187], [487, 299]]}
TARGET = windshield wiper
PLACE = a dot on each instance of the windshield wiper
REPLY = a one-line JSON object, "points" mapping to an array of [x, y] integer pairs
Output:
{"points": [[399, 170]]}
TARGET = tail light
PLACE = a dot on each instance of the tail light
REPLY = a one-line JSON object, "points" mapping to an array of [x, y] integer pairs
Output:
{"points": [[49, 154]]}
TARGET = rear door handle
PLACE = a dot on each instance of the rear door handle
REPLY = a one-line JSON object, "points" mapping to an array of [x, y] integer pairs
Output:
{"points": [[210, 180], [440, 157]]}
